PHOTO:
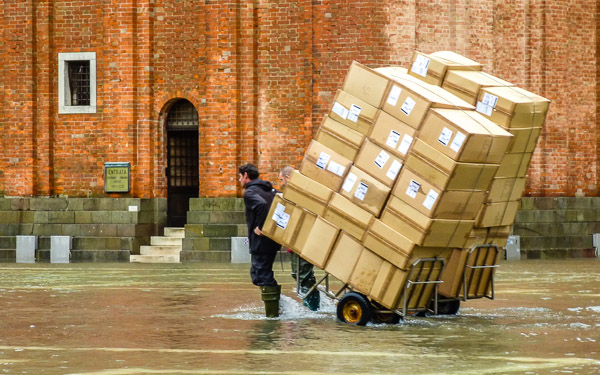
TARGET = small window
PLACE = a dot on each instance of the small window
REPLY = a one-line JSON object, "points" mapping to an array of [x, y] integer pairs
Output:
{"points": [[77, 82]]}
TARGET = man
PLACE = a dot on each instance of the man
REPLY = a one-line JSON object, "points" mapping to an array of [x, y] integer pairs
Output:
{"points": [[258, 196], [306, 274]]}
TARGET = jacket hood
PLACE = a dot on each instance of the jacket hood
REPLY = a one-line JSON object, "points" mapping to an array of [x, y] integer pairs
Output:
{"points": [[262, 184]]}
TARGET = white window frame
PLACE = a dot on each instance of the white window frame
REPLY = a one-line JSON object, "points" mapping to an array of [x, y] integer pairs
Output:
{"points": [[64, 97]]}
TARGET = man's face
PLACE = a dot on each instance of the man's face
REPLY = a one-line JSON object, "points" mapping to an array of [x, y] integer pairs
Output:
{"points": [[283, 180], [244, 179]]}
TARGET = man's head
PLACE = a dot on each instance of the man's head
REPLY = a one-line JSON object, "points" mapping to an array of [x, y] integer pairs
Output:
{"points": [[284, 176], [248, 172]]}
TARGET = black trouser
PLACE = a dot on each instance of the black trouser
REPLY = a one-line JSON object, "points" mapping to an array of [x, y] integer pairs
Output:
{"points": [[261, 269]]}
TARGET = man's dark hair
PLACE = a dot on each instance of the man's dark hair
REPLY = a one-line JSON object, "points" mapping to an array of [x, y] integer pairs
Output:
{"points": [[250, 169]]}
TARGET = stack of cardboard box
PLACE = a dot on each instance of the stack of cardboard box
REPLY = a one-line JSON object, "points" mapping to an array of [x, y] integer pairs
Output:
{"points": [[409, 165]]}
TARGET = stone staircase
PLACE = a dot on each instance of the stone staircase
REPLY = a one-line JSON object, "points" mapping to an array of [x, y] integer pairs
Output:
{"points": [[162, 249]]}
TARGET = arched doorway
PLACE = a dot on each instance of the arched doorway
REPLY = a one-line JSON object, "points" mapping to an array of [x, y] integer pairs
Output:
{"points": [[182, 161]]}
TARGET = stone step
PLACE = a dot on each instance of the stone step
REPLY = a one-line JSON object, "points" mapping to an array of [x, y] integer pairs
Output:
{"points": [[216, 217], [556, 242], [217, 204], [166, 241], [215, 230], [90, 255], [154, 258], [175, 232], [160, 250], [207, 243], [556, 229]]}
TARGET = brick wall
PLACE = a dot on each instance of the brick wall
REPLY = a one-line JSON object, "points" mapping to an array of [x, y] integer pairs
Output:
{"points": [[261, 73]]}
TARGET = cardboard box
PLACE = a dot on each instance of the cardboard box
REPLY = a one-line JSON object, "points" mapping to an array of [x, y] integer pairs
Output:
{"points": [[344, 257], [453, 272], [477, 236], [506, 189], [423, 230], [324, 165], [347, 216], [432, 68], [386, 242], [514, 165], [366, 84], [466, 84], [379, 163], [307, 193], [419, 295], [316, 240], [435, 202], [513, 107], [340, 138], [364, 191], [465, 136], [497, 214], [282, 221], [365, 271], [392, 134], [447, 174], [409, 101], [353, 112], [388, 285], [477, 279], [524, 139]]}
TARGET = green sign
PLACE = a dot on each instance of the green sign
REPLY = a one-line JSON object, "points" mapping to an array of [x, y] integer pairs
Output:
{"points": [[117, 177]]}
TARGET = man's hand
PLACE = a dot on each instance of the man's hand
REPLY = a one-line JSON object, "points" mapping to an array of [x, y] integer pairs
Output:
{"points": [[258, 232]]}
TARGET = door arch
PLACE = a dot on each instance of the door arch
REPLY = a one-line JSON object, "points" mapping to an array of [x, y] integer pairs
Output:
{"points": [[182, 161]]}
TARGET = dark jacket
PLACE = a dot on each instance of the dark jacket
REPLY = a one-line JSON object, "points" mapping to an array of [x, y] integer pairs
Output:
{"points": [[258, 198]]}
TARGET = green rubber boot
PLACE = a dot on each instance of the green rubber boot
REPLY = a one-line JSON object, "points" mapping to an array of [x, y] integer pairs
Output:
{"points": [[313, 300], [270, 296]]}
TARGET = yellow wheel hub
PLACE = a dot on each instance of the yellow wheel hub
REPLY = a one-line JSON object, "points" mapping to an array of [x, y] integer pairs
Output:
{"points": [[352, 312]]}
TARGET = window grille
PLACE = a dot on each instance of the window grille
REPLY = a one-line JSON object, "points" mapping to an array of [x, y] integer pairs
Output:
{"points": [[79, 82]]}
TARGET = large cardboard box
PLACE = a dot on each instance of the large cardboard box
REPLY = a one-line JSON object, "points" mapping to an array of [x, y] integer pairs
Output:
{"points": [[513, 107], [435, 202], [307, 193], [324, 165], [365, 191], [446, 173], [497, 214], [340, 138], [452, 275], [353, 112], [477, 279], [316, 239], [388, 285], [347, 216], [282, 221], [514, 165], [499, 235], [366, 84], [386, 242], [423, 230], [432, 68], [379, 163], [365, 271], [465, 136], [344, 257], [506, 189], [392, 134], [466, 84], [524, 140]]}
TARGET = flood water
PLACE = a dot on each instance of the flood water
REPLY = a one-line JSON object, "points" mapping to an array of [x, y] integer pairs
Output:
{"points": [[192, 318]]}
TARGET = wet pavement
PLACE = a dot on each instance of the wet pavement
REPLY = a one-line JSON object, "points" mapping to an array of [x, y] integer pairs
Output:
{"points": [[122, 318]]}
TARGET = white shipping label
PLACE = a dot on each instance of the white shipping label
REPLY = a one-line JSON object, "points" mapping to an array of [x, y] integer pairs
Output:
{"points": [[484, 108], [408, 106], [382, 158], [490, 99], [323, 160], [413, 189], [340, 110], [445, 136], [394, 170], [354, 113], [430, 199], [283, 220], [361, 191], [279, 209], [405, 144], [349, 182], [421, 65], [394, 95], [458, 141], [393, 139], [336, 168]]}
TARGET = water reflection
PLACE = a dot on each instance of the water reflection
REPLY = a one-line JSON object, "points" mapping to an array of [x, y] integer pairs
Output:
{"points": [[199, 318]]}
